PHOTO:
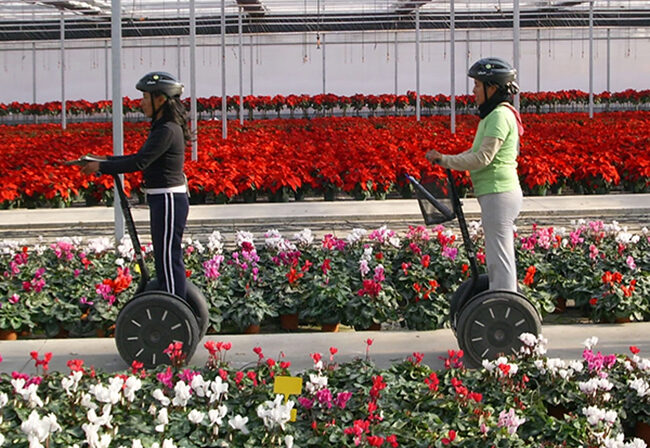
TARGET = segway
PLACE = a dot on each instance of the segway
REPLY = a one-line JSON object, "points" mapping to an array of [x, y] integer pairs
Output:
{"points": [[153, 319], [487, 323]]}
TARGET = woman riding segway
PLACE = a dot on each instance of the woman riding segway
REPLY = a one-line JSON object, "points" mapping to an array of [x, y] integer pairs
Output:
{"points": [[487, 312], [155, 316]]}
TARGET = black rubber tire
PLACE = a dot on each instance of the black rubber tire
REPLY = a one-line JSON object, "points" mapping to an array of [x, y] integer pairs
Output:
{"points": [[458, 299], [491, 323], [195, 299], [151, 321]]}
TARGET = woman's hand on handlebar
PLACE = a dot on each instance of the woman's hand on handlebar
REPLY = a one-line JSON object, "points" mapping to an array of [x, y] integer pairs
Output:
{"points": [[433, 156], [90, 168]]}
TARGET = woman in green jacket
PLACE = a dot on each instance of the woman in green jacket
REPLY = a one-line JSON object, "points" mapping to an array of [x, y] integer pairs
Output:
{"points": [[492, 162]]}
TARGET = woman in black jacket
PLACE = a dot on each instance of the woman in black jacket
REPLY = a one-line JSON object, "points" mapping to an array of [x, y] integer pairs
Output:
{"points": [[161, 161]]}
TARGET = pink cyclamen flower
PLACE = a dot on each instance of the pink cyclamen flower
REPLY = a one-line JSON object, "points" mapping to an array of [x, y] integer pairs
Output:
{"points": [[15, 298], [630, 262]]}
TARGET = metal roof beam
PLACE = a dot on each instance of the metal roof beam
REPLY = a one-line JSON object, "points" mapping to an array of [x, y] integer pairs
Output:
{"points": [[253, 8], [408, 6]]}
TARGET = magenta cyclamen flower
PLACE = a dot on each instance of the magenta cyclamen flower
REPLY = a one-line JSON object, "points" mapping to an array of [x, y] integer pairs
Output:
{"points": [[306, 403], [510, 421], [211, 267], [342, 399], [166, 377], [15, 298], [188, 375], [379, 274], [450, 252], [630, 262], [324, 397]]}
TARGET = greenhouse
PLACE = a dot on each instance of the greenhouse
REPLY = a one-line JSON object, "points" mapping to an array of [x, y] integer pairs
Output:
{"points": [[409, 194]]}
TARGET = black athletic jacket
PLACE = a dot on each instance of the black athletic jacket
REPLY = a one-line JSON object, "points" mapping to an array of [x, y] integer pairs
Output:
{"points": [[160, 159]]}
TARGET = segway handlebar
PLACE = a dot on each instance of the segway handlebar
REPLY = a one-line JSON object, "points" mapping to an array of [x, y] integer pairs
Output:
{"points": [[128, 218], [442, 208]]}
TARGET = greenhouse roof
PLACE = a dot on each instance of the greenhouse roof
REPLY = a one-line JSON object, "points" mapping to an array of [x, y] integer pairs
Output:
{"points": [[22, 20]]}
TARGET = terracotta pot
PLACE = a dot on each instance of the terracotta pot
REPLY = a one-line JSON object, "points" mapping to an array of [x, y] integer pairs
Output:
{"points": [[252, 329], [373, 327], [8, 335], [560, 305], [622, 320], [330, 328], [643, 431], [289, 321]]}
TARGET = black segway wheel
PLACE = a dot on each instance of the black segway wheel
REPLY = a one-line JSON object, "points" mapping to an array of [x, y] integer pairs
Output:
{"points": [[491, 323], [149, 323], [195, 299]]}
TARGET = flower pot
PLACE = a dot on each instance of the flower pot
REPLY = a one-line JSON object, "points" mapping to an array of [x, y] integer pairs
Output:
{"points": [[373, 327], [642, 431], [560, 305], [622, 320], [252, 329], [331, 328], [8, 335], [289, 321]]}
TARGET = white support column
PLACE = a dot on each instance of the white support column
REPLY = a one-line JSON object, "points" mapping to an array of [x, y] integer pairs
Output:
{"points": [[396, 63], [609, 61], [118, 131], [193, 108], [452, 63], [63, 106], [240, 30], [107, 75], [591, 58], [251, 64], [539, 60], [224, 96], [34, 77], [467, 62], [516, 30], [417, 65], [322, 47]]}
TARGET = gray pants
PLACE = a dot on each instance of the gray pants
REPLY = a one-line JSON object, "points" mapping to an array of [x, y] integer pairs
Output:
{"points": [[498, 214]]}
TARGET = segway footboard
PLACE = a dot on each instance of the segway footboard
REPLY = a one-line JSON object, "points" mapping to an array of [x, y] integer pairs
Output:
{"points": [[490, 325]]}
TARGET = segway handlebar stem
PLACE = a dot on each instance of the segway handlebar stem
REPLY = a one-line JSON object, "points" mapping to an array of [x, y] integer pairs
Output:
{"points": [[462, 224], [133, 233]]}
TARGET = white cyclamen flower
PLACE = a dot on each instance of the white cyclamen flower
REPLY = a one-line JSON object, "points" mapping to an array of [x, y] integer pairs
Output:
{"points": [[356, 235], [162, 419], [216, 415], [215, 242], [238, 422], [288, 441], [99, 245], [243, 236], [131, 386], [196, 416], [590, 343], [39, 429], [103, 420], [275, 413], [71, 382], [640, 386], [183, 394], [217, 389], [159, 395], [304, 237], [27, 393]]}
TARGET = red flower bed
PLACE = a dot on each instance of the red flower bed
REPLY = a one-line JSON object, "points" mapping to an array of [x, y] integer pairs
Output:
{"points": [[356, 155], [330, 101]]}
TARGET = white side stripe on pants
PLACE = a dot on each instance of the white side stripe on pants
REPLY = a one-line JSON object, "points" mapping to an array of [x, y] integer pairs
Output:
{"points": [[167, 243]]}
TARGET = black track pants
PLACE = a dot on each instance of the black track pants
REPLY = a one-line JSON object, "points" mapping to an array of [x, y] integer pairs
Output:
{"points": [[168, 215]]}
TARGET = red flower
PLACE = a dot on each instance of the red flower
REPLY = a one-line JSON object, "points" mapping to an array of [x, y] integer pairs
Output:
{"points": [[451, 436], [530, 275], [634, 349]]}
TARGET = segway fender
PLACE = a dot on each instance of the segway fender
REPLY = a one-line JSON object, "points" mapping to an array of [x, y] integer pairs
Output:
{"points": [[464, 294]]}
